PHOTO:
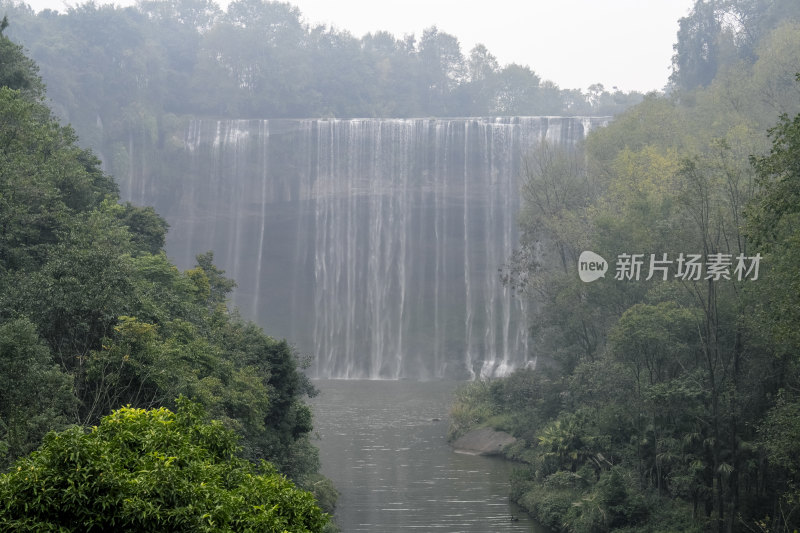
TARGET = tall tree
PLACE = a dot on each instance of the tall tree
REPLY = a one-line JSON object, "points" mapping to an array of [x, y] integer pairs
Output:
{"points": [[696, 56], [443, 70], [17, 71]]}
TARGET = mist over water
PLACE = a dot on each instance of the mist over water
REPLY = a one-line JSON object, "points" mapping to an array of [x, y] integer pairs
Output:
{"points": [[372, 244]]}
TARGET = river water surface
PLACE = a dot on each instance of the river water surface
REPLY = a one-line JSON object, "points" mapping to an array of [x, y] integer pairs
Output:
{"points": [[383, 445]]}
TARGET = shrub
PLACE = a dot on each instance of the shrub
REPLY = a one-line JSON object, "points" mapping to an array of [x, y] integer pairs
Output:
{"points": [[151, 470]]}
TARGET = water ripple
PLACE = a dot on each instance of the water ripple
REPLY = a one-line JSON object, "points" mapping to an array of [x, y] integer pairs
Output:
{"points": [[383, 444]]}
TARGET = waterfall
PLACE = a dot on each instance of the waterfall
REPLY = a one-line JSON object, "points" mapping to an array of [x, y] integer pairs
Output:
{"points": [[371, 244]]}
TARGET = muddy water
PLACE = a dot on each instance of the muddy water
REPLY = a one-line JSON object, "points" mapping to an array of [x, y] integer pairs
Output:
{"points": [[383, 445]]}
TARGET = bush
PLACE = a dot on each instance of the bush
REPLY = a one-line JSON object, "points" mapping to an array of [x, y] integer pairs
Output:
{"points": [[151, 470], [612, 504], [471, 408], [547, 505]]}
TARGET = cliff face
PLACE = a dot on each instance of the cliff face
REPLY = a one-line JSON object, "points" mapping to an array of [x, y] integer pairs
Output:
{"points": [[373, 245]]}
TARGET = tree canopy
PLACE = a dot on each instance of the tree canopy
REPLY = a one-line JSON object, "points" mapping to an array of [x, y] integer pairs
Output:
{"points": [[151, 470]]}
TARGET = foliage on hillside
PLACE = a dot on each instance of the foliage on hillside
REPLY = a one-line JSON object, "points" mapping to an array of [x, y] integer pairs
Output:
{"points": [[93, 316], [669, 403], [151, 470]]}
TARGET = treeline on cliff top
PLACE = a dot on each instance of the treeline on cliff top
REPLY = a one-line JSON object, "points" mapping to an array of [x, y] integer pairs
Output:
{"points": [[260, 59]]}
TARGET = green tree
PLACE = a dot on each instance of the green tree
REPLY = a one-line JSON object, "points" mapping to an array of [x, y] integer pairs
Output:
{"points": [[443, 70], [518, 92], [219, 286], [151, 471], [394, 65], [780, 432], [148, 229], [17, 71], [36, 395], [772, 222], [482, 69]]}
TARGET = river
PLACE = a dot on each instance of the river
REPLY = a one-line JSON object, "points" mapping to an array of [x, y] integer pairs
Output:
{"points": [[383, 445]]}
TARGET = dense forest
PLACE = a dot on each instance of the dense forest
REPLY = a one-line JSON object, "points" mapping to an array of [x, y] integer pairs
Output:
{"points": [[666, 393], [93, 318]]}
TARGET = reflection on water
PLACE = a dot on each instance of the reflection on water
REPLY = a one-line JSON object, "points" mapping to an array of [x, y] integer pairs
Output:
{"points": [[383, 445]]}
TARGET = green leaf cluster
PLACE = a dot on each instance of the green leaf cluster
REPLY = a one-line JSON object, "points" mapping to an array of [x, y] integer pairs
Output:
{"points": [[151, 470]]}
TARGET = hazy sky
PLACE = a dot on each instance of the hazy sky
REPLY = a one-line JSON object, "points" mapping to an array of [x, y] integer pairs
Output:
{"points": [[575, 43]]}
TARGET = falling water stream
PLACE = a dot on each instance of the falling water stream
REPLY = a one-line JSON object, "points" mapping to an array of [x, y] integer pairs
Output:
{"points": [[366, 242]]}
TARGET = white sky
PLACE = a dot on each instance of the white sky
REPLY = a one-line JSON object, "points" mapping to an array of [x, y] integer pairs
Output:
{"points": [[575, 43]]}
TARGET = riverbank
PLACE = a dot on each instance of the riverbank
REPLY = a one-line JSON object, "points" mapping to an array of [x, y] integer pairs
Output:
{"points": [[483, 441], [566, 475]]}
